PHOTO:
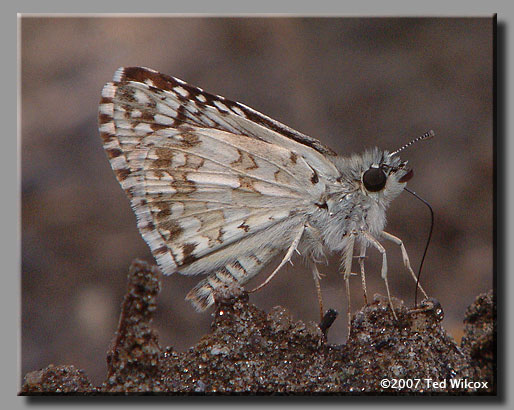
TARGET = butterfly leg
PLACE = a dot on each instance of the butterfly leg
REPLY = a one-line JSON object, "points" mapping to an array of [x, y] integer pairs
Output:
{"points": [[317, 276], [381, 249], [361, 258], [286, 258], [347, 266], [405, 257]]}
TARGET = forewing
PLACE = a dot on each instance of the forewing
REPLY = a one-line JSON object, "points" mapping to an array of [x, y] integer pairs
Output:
{"points": [[192, 105], [197, 190]]}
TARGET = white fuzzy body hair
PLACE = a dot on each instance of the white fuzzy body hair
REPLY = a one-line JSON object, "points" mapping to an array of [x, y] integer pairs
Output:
{"points": [[351, 209]]}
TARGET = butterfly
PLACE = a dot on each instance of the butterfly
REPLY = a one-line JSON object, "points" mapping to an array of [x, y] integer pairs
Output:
{"points": [[220, 189]]}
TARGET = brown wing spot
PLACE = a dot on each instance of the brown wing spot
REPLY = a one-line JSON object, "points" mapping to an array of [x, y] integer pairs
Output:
{"points": [[239, 160], [122, 174], [161, 80], [126, 95], [106, 100], [164, 221], [245, 161], [164, 153], [293, 157], [188, 250], [238, 265], [159, 173], [174, 229], [182, 184], [107, 137], [146, 116], [191, 162], [104, 118], [223, 276], [141, 75], [150, 226], [113, 152], [156, 127], [244, 226], [160, 164], [250, 164], [164, 160], [282, 177], [220, 235], [246, 184], [134, 73], [314, 178], [161, 251], [164, 210], [181, 116], [189, 139]]}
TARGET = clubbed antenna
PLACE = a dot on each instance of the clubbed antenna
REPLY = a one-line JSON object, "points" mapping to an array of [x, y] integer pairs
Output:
{"points": [[425, 136]]}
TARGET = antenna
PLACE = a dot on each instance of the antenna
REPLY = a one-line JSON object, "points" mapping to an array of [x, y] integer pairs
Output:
{"points": [[426, 136]]}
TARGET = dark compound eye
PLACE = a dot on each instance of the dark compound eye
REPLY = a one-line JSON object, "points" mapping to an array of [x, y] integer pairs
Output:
{"points": [[374, 179]]}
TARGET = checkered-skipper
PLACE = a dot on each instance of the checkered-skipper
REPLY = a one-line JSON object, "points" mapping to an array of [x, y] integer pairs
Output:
{"points": [[220, 189]]}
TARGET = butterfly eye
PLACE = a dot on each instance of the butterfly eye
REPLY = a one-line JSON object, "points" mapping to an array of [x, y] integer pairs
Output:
{"points": [[374, 179]]}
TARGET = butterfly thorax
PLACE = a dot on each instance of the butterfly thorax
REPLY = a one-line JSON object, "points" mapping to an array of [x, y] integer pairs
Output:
{"points": [[349, 207]]}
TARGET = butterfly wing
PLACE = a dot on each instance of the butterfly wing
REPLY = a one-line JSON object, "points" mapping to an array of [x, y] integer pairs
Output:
{"points": [[192, 105], [203, 192]]}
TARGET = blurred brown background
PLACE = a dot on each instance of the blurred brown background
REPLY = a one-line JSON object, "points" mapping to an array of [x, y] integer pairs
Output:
{"points": [[351, 82]]}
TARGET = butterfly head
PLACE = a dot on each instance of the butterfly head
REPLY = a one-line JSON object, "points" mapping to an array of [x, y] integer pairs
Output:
{"points": [[382, 176]]}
